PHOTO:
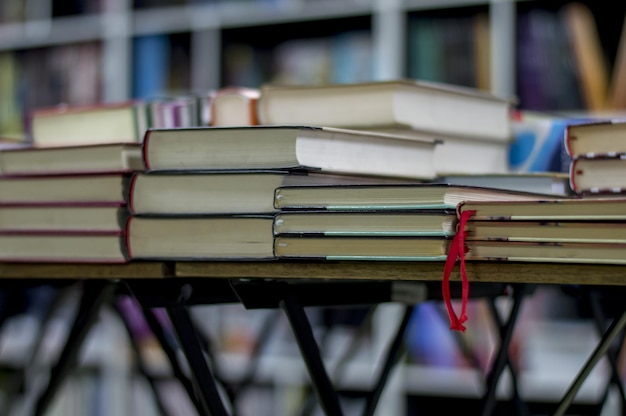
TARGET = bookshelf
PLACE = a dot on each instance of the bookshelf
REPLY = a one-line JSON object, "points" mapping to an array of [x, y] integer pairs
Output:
{"points": [[197, 39], [203, 29]]}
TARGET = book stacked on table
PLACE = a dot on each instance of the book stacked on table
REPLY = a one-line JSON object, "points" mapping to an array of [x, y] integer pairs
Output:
{"points": [[598, 153], [209, 192], [65, 203], [475, 127]]}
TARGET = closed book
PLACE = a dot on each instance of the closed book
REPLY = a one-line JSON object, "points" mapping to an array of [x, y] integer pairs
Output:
{"points": [[593, 138], [88, 158], [361, 248], [103, 123], [220, 192], [547, 231], [203, 238], [322, 149], [422, 223], [74, 247], [600, 174], [389, 196], [596, 253], [433, 107], [572, 209], [548, 183], [64, 189], [69, 218]]}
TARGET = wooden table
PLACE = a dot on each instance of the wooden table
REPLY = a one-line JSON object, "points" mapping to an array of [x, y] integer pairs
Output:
{"points": [[291, 285]]}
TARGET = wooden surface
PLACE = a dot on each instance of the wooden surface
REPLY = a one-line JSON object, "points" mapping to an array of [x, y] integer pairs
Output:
{"points": [[543, 273], [546, 273], [137, 270]]}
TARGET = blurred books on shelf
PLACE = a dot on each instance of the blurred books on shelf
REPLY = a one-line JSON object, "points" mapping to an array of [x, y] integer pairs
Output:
{"points": [[319, 149], [234, 106]]}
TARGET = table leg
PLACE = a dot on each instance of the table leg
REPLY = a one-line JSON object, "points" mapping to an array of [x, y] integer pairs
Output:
{"points": [[141, 366], [506, 334], [613, 353], [520, 405], [170, 352], [309, 349], [607, 339], [391, 359], [95, 293], [202, 377]]}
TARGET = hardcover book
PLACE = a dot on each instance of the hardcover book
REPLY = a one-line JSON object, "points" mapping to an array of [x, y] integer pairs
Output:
{"points": [[196, 238], [424, 223], [432, 107], [288, 147], [104, 123], [64, 189], [90, 158], [61, 246], [223, 192], [390, 196]]}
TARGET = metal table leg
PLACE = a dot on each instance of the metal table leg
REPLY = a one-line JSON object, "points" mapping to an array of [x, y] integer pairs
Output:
{"points": [[489, 399], [309, 349], [95, 293], [609, 336], [392, 358], [202, 377]]}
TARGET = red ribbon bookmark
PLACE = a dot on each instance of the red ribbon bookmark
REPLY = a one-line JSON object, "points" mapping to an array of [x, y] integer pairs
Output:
{"points": [[456, 251]]}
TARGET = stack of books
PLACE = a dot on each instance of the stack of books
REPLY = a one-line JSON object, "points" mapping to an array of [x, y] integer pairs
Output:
{"points": [[65, 203], [211, 192], [598, 157], [475, 127]]}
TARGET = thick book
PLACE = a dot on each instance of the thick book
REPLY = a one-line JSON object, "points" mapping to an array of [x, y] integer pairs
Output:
{"points": [[547, 231], [89, 158], [572, 209], [596, 138], [362, 248], [52, 218], [604, 253], [389, 196], [222, 192], [432, 107], [203, 238], [599, 174], [64, 189], [102, 123], [288, 147], [424, 223], [74, 247]]}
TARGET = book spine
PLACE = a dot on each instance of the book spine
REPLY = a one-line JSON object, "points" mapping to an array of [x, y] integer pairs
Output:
{"points": [[572, 175], [144, 150], [131, 194], [125, 241]]}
